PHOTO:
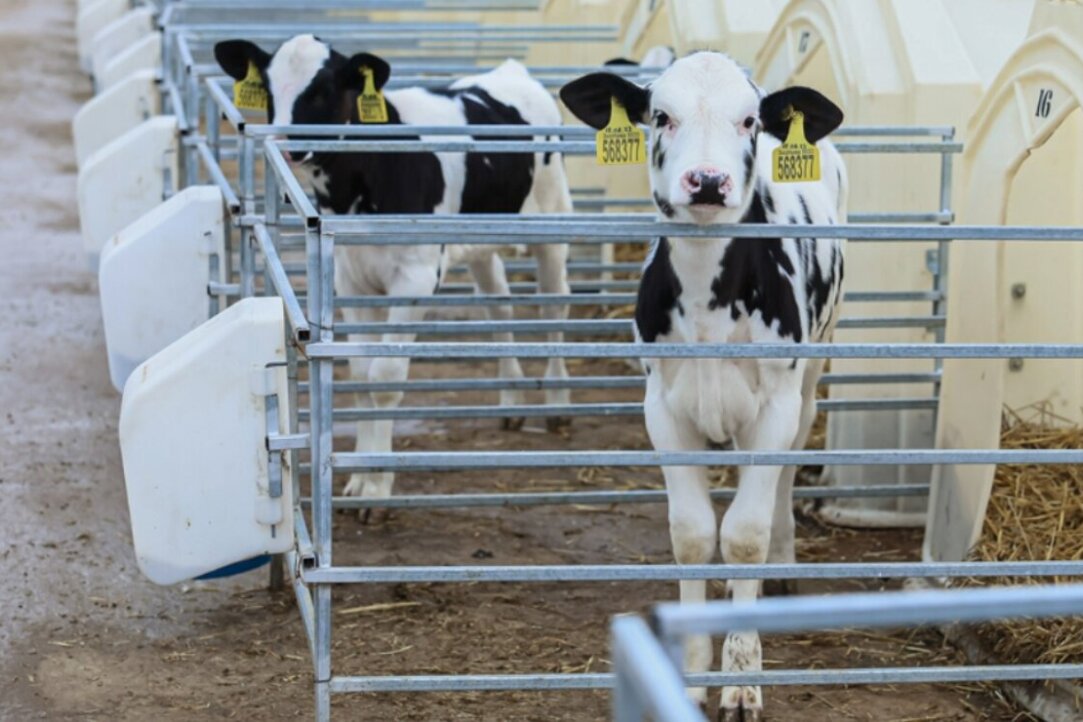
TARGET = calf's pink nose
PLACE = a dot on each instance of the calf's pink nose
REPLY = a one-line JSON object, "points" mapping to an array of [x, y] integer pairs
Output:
{"points": [[706, 176]]}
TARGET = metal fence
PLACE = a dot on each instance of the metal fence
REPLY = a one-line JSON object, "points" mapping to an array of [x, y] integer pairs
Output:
{"points": [[282, 245], [648, 658]]}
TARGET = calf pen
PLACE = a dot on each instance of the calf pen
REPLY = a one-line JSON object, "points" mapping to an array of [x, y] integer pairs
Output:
{"points": [[313, 578], [274, 234]]}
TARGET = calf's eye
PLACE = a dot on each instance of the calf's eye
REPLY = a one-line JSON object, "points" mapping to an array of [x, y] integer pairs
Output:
{"points": [[749, 122]]}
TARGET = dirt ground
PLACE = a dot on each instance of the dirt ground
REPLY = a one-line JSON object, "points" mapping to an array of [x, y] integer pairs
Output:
{"points": [[85, 637]]}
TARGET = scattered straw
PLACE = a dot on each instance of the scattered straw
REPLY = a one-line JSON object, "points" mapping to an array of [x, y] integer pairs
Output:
{"points": [[378, 607], [1035, 513]]}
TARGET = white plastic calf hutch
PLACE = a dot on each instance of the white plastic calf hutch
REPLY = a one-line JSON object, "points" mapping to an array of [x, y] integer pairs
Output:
{"points": [[118, 36], [142, 54], [585, 173], [125, 179], [735, 27], [194, 419], [890, 63], [91, 18], [115, 111], [154, 277], [1023, 165]]}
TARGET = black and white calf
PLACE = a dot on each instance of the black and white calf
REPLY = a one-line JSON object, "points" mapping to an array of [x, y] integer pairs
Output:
{"points": [[309, 83], [712, 131]]}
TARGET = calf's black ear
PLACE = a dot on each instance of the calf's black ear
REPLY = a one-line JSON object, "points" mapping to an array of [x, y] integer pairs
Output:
{"points": [[351, 77], [589, 98], [234, 56], [821, 115]]}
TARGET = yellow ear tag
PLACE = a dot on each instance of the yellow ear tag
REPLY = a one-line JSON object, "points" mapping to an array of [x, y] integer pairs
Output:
{"points": [[249, 94], [370, 104], [796, 160], [620, 142]]}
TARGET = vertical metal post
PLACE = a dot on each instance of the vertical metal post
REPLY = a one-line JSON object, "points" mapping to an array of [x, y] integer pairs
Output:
{"points": [[168, 37], [626, 706], [211, 118], [247, 161], [215, 274], [219, 266], [248, 200], [277, 575], [248, 263], [192, 110], [271, 206], [320, 247], [940, 278]]}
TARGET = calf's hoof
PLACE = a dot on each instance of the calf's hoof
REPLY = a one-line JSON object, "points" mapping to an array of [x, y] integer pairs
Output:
{"points": [[741, 704], [374, 516], [512, 424], [369, 487], [779, 587], [558, 424]]}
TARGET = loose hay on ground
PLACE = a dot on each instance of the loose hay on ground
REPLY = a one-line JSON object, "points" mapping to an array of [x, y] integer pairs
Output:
{"points": [[1035, 513]]}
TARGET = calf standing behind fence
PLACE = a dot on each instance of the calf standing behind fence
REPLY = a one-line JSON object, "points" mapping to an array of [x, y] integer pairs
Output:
{"points": [[712, 142], [312, 84]]}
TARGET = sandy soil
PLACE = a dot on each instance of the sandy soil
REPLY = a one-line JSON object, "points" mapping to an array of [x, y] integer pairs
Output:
{"points": [[84, 637]]}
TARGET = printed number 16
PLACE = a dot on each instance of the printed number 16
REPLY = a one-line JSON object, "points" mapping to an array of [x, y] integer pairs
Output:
{"points": [[1045, 103]]}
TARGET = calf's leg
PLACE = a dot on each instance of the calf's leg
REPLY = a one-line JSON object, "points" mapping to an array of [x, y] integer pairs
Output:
{"points": [[488, 271], [553, 279], [745, 537], [413, 281], [691, 518], [551, 195], [782, 527], [359, 371]]}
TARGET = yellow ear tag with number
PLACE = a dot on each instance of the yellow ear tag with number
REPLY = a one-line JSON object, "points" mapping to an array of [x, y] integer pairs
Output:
{"points": [[370, 104], [249, 94], [796, 160], [620, 142]]}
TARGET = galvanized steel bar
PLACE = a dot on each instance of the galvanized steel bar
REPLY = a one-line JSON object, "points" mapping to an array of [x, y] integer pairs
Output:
{"points": [[343, 349], [586, 326], [583, 681], [868, 610], [463, 460], [450, 296], [281, 283], [529, 411], [233, 203], [303, 597], [677, 572], [570, 147], [478, 226], [503, 131], [587, 382], [638, 496], [272, 152], [645, 679], [225, 105]]}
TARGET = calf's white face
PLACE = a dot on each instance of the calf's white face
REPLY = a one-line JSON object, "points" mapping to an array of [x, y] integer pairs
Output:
{"points": [[308, 82], [705, 117], [293, 70]]}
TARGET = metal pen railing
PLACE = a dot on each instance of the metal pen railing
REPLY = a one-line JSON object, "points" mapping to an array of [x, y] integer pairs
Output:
{"points": [[276, 222], [648, 658]]}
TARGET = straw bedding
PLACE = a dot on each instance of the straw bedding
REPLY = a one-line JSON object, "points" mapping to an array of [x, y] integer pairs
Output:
{"points": [[1035, 513]]}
